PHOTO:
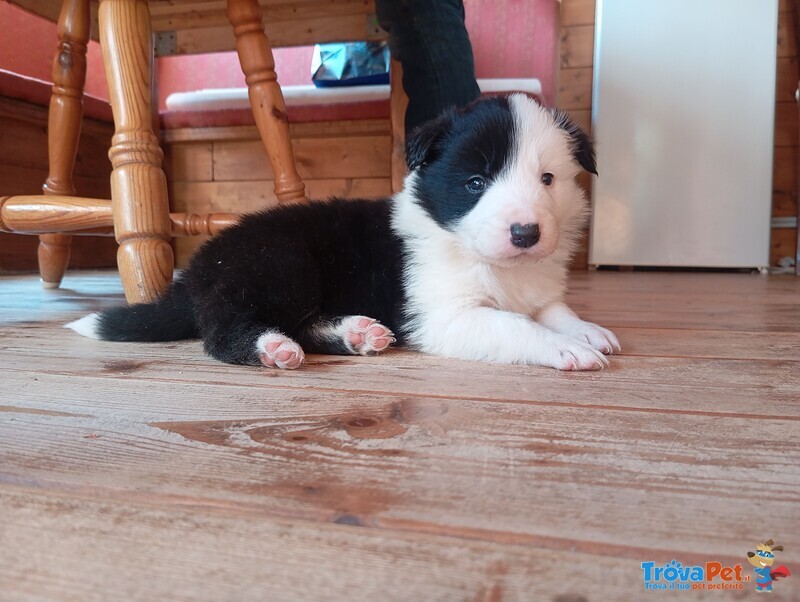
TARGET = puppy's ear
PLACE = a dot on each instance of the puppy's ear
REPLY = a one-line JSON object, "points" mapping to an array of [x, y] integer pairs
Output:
{"points": [[424, 142], [581, 143]]}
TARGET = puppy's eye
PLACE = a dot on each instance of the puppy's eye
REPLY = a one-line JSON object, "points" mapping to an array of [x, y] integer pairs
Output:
{"points": [[547, 178], [476, 184]]}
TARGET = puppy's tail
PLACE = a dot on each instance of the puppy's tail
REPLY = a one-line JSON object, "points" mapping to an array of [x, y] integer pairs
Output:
{"points": [[168, 318]]}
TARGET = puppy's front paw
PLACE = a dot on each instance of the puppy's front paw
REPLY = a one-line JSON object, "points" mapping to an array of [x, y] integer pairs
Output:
{"points": [[598, 337], [570, 354]]}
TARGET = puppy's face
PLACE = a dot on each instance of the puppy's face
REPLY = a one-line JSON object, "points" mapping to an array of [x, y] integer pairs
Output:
{"points": [[499, 175]]}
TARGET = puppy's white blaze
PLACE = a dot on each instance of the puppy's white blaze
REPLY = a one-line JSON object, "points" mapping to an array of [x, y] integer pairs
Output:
{"points": [[517, 195], [87, 326]]}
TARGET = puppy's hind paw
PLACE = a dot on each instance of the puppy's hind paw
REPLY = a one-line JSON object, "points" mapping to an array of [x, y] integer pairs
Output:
{"points": [[279, 351], [365, 335]]}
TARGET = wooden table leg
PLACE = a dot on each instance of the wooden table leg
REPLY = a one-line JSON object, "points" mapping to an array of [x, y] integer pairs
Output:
{"points": [[138, 185], [266, 98], [64, 128]]}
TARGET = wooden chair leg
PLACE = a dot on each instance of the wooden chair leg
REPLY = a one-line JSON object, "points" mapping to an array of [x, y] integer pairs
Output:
{"points": [[266, 98], [64, 128], [138, 185], [54, 251]]}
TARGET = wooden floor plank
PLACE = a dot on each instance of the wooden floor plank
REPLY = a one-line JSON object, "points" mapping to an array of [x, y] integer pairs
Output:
{"points": [[709, 344], [670, 384], [495, 471], [84, 549], [401, 476]]}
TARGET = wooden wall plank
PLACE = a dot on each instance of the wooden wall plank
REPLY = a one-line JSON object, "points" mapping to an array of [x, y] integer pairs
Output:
{"points": [[251, 195], [787, 46], [786, 124], [576, 50], [577, 12], [575, 89], [785, 168], [784, 204], [583, 118], [782, 244], [192, 162], [785, 171], [355, 156], [787, 77], [577, 46]]}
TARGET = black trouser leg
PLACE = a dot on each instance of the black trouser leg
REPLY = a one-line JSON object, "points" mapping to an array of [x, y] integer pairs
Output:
{"points": [[430, 40]]}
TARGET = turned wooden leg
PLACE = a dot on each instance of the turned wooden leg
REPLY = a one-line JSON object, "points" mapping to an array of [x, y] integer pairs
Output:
{"points": [[138, 185], [266, 98], [53, 257], [64, 128]]}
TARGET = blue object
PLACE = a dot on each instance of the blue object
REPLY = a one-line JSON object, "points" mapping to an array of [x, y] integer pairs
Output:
{"points": [[350, 64]]}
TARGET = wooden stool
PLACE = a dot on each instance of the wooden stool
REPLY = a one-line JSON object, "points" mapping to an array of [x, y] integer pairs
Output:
{"points": [[138, 212]]}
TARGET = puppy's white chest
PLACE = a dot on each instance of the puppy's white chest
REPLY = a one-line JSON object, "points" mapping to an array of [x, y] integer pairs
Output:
{"points": [[521, 290]]}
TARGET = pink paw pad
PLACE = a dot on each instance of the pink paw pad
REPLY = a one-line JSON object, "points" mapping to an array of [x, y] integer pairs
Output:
{"points": [[366, 335], [278, 351]]}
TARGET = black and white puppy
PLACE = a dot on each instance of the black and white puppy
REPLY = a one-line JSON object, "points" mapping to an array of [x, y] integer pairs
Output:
{"points": [[468, 261]]}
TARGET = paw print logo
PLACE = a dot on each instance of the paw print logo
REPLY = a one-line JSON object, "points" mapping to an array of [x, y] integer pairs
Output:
{"points": [[672, 570]]}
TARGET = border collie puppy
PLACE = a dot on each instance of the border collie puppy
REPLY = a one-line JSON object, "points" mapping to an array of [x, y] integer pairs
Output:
{"points": [[468, 261]]}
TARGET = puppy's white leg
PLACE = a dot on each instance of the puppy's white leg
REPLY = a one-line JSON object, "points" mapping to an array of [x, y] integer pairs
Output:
{"points": [[557, 316], [483, 333]]}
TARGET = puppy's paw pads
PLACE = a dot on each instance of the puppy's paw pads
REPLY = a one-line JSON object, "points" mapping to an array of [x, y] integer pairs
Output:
{"points": [[579, 356], [366, 335], [598, 337], [278, 351]]}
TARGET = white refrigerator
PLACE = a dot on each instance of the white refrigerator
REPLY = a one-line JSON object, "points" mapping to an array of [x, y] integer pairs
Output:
{"points": [[683, 117]]}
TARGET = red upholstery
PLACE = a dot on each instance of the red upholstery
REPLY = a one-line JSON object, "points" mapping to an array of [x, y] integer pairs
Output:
{"points": [[37, 91], [28, 43]]}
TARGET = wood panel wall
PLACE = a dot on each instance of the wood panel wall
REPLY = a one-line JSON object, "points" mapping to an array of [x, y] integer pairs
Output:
{"points": [[226, 168], [574, 91], [23, 170], [784, 182], [575, 95]]}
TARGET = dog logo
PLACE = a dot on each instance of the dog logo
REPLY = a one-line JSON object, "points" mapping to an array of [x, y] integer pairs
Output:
{"points": [[763, 560]]}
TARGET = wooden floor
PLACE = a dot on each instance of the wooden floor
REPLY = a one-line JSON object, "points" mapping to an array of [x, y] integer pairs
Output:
{"points": [[150, 472]]}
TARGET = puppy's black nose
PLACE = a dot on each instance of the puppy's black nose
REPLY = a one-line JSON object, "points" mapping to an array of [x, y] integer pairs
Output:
{"points": [[524, 236]]}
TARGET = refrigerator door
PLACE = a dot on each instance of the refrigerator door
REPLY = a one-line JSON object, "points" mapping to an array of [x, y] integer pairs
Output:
{"points": [[683, 116]]}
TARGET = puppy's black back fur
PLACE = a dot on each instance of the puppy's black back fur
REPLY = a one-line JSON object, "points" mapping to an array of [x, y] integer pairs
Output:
{"points": [[287, 269]]}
